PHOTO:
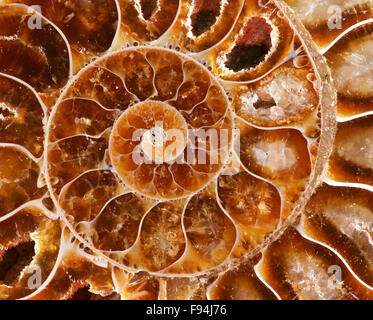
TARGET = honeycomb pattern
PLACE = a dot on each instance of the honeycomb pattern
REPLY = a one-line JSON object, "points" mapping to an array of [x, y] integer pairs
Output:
{"points": [[186, 149]]}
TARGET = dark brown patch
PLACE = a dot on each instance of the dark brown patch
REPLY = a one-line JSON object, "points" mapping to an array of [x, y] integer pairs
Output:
{"points": [[148, 7], [14, 260], [264, 104], [205, 14], [252, 45], [84, 294]]}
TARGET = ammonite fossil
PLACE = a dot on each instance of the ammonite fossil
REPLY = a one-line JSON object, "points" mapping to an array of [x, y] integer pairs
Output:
{"points": [[186, 149]]}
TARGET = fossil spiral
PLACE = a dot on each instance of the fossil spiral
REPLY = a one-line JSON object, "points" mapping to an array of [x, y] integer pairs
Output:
{"points": [[186, 149]]}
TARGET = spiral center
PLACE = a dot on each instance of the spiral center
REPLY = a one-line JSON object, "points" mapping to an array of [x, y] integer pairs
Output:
{"points": [[160, 145], [155, 136], [152, 132]]}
